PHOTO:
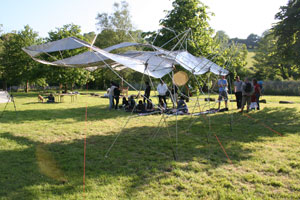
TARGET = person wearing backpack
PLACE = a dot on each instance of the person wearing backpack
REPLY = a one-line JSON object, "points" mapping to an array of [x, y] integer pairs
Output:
{"points": [[247, 91]]}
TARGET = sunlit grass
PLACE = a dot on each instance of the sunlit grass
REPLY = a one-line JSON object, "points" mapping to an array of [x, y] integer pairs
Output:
{"points": [[42, 152]]}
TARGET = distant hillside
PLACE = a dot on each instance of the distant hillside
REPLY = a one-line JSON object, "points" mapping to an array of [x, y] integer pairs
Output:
{"points": [[250, 58]]}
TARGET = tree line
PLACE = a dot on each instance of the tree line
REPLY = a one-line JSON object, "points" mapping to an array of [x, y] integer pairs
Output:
{"points": [[17, 68]]}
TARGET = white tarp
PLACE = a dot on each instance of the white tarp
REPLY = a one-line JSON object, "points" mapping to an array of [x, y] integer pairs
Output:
{"points": [[59, 45], [196, 65], [4, 97], [153, 63], [199, 65]]}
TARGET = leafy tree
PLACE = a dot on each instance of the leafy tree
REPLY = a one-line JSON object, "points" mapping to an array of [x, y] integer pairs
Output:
{"points": [[64, 75], [17, 66], [192, 15], [222, 36], [288, 32], [230, 55], [89, 36], [269, 63], [186, 15], [252, 41], [115, 28]]}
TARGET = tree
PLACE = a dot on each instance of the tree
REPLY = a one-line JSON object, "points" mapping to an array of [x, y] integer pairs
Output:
{"points": [[269, 62], [288, 31], [62, 75], [252, 41], [192, 15], [17, 66], [115, 28], [89, 36], [186, 15], [222, 36]]}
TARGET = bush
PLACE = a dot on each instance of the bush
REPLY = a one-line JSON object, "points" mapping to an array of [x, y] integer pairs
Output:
{"points": [[289, 88]]}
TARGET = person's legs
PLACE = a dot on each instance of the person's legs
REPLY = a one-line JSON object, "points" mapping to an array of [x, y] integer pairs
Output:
{"points": [[159, 98], [117, 102], [225, 95], [243, 103], [220, 99], [165, 99], [257, 101], [111, 102], [248, 102], [239, 98]]}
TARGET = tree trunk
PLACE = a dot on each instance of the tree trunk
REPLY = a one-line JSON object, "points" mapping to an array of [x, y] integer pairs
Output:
{"points": [[4, 85], [27, 86], [66, 88]]}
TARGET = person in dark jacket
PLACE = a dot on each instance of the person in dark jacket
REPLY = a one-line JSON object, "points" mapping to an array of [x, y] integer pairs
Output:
{"points": [[147, 93]]}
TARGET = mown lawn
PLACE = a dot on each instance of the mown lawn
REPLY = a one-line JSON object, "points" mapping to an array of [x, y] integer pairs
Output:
{"points": [[42, 152]]}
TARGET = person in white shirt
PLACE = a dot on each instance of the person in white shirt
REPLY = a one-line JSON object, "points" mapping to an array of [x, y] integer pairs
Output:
{"points": [[162, 89], [111, 95]]}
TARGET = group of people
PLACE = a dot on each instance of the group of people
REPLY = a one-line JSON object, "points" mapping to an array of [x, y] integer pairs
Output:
{"points": [[146, 104], [245, 92], [113, 94]]}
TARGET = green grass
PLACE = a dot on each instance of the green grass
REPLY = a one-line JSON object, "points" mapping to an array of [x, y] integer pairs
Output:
{"points": [[250, 59], [42, 152]]}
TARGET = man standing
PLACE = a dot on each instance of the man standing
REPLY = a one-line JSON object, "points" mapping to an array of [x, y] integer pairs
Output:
{"points": [[222, 83], [147, 92], [247, 90], [162, 89], [238, 91], [117, 95], [111, 95]]}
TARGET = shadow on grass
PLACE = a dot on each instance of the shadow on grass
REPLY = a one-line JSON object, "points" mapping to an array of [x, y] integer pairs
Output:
{"points": [[95, 113], [137, 153]]}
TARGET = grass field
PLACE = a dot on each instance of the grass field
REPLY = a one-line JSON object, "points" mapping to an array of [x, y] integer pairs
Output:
{"points": [[250, 59], [42, 152]]}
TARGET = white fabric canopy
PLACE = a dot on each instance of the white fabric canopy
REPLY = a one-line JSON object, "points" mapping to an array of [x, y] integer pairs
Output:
{"points": [[59, 45], [153, 63]]}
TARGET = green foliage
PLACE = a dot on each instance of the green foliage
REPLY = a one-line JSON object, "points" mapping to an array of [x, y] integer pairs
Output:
{"points": [[291, 88], [67, 77], [186, 15], [288, 32], [115, 28], [251, 41], [269, 63], [230, 55], [16, 66]]}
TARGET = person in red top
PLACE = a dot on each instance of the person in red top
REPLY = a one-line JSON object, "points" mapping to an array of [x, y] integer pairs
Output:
{"points": [[257, 92]]}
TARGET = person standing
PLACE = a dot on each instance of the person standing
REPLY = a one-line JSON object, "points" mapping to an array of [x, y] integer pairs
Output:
{"points": [[257, 92], [247, 91], [238, 91], [111, 95], [117, 95], [162, 89], [147, 93], [223, 88]]}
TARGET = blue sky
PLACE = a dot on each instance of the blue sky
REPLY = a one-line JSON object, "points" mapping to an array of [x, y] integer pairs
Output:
{"points": [[238, 18]]}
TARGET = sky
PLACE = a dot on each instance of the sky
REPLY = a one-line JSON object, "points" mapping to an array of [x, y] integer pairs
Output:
{"points": [[238, 18]]}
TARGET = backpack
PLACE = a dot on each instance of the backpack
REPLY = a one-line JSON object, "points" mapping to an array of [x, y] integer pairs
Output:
{"points": [[117, 92], [248, 87]]}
